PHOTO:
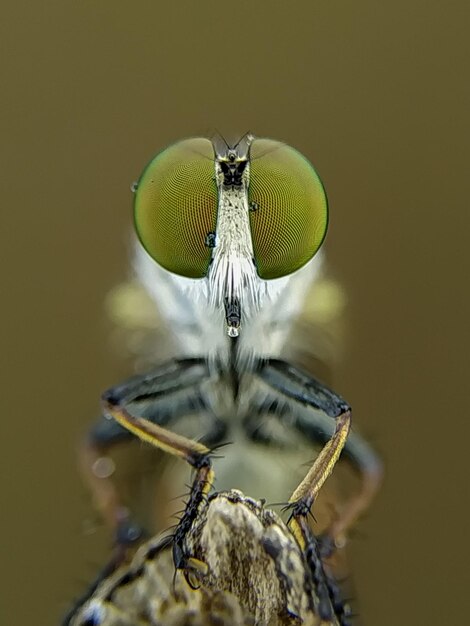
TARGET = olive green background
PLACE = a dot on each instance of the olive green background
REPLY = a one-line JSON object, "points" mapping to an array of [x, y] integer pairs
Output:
{"points": [[376, 95]]}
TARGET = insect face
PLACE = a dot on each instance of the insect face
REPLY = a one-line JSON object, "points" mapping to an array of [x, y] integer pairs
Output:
{"points": [[236, 216]]}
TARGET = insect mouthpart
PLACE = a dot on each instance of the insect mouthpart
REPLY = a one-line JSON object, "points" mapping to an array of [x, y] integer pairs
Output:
{"points": [[232, 316]]}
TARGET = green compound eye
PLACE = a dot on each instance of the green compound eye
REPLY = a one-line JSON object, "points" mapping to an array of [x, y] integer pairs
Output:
{"points": [[175, 207], [289, 209]]}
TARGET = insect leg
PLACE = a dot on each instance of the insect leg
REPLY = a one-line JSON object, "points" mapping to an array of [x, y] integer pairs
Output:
{"points": [[171, 390], [329, 605], [360, 455], [308, 394], [193, 452]]}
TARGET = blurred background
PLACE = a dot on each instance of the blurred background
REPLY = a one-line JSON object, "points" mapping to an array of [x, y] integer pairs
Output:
{"points": [[375, 95]]}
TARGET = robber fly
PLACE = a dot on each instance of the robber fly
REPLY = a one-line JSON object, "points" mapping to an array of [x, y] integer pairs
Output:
{"points": [[229, 239]]}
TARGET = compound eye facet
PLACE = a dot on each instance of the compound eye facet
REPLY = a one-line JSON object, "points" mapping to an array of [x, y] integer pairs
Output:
{"points": [[175, 207], [289, 215]]}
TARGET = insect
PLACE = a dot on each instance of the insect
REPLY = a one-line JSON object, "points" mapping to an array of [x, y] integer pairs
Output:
{"points": [[231, 235]]}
